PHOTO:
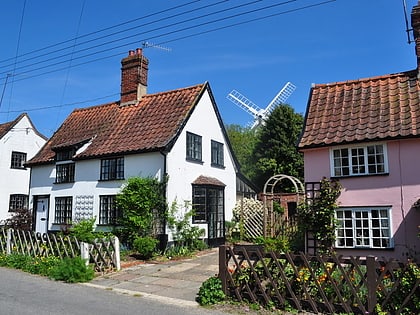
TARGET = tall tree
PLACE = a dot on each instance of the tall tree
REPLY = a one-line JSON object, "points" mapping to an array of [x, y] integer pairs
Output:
{"points": [[276, 149], [243, 141]]}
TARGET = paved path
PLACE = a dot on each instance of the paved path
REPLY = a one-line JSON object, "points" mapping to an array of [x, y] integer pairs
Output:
{"points": [[173, 281]]}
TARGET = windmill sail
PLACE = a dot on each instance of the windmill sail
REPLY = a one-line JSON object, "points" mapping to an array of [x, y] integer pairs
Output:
{"points": [[260, 115]]}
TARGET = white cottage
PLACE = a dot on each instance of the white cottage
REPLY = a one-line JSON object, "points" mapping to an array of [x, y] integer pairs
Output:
{"points": [[19, 141], [178, 134]]}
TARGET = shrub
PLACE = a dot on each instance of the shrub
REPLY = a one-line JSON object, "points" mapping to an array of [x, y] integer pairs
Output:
{"points": [[72, 270], [210, 292], [145, 246]]}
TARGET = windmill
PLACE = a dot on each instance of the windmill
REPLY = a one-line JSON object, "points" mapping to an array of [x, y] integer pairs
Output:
{"points": [[260, 115]]}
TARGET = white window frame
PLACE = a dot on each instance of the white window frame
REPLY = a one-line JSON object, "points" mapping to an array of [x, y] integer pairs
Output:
{"points": [[362, 229], [354, 169]]}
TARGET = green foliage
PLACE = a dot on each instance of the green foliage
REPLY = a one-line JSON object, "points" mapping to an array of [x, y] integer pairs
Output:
{"points": [[185, 234], [145, 246], [318, 217], [275, 151], [243, 141], [141, 201], [210, 292], [39, 265], [278, 245], [72, 270], [407, 278], [84, 231]]}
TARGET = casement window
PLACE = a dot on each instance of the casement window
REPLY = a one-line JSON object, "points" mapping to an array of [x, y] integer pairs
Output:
{"points": [[363, 227], [207, 201], [194, 147], [63, 210], [18, 160], [18, 202], [359, 160], [217, 158], [112, 169], [64, 173], [108, 211], [65, 155]]}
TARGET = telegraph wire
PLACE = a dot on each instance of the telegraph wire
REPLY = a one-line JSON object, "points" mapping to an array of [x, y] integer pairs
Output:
{"points": [[70, 63], [169, 33], [16, 54], [102, 30], [163, 42], [129, 36]]}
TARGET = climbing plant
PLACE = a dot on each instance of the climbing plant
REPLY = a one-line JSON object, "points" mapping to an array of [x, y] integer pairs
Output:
{"points": [[317, 216]]}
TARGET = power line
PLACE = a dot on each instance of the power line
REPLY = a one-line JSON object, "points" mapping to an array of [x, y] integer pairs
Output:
{"points": [[168, 34], [101, 30], [127, 37], [162, 42]]}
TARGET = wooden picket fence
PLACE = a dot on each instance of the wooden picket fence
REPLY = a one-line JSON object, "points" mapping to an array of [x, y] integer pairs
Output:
{"points": [[320, 284], [103, 254]]}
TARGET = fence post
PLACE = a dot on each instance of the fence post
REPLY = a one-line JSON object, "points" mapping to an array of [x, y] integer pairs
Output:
{"points": [[371, 280], [84, 252], [117, 253], [9, 242], [223, 267]]}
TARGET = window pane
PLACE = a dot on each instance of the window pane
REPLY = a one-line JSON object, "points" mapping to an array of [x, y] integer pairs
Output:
{"points": [[18, 160]]}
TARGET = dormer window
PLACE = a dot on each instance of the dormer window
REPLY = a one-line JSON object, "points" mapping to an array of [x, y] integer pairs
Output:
{"points": [[65, 155], [64, 168]]}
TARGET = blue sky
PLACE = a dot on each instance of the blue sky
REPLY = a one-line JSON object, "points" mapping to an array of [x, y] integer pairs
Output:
{"points": [[251, 52]]}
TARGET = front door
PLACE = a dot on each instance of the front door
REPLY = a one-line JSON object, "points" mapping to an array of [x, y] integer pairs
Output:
{"points": [[41, 209], [216, 216]]}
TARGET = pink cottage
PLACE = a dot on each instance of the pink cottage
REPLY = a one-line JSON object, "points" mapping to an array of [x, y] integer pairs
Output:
{"points": [[366, 134]]}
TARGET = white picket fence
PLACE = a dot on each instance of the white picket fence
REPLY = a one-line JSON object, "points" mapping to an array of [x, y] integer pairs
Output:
{"points": [[104, 254]]}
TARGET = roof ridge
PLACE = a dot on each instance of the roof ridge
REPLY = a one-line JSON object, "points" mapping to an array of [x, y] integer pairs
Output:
{"points": [[374, 78]]}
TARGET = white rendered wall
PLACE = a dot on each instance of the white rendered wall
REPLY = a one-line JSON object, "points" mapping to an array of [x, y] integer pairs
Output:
{"points": [[87, 187], [20, 138], [183, 173]]}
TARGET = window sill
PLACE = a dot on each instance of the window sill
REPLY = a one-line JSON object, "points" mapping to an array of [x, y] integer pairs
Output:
{"points": [[366, 248], [19, 168], [355, 176], [194, 161], [110, 180], [218, 166]]}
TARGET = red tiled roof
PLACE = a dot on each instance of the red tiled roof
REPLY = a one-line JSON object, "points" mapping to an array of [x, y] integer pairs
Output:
{"points": [[377, 108], [150, 125]]}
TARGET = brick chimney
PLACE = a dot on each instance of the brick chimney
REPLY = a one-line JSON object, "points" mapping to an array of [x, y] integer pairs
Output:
{"points": [[134, 69], [415, 24]]}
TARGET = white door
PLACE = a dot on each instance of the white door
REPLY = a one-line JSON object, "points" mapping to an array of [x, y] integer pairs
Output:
{"points": [[42, 205]]}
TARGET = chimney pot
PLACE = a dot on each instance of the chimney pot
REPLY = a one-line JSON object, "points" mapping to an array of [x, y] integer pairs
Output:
{"points": [[138, 51]]}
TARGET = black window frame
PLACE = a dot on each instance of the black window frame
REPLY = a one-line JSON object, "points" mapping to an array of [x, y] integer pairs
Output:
{"points": [[203, 198], [194, 145], [18, 160], [112, 168], [108, 210], [63, 210], [64, 173], [217, 154], [18, 202]]}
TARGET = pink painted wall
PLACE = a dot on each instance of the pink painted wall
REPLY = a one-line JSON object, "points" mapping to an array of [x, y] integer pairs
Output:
{"points": [[400, 189]]}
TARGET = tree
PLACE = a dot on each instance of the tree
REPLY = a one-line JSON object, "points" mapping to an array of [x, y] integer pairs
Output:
{"points": [[243, 141], [142, 202], [276, 149]]}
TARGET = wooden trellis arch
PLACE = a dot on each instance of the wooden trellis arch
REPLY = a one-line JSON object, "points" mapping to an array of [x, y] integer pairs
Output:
{"points": [[273, 221]]}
